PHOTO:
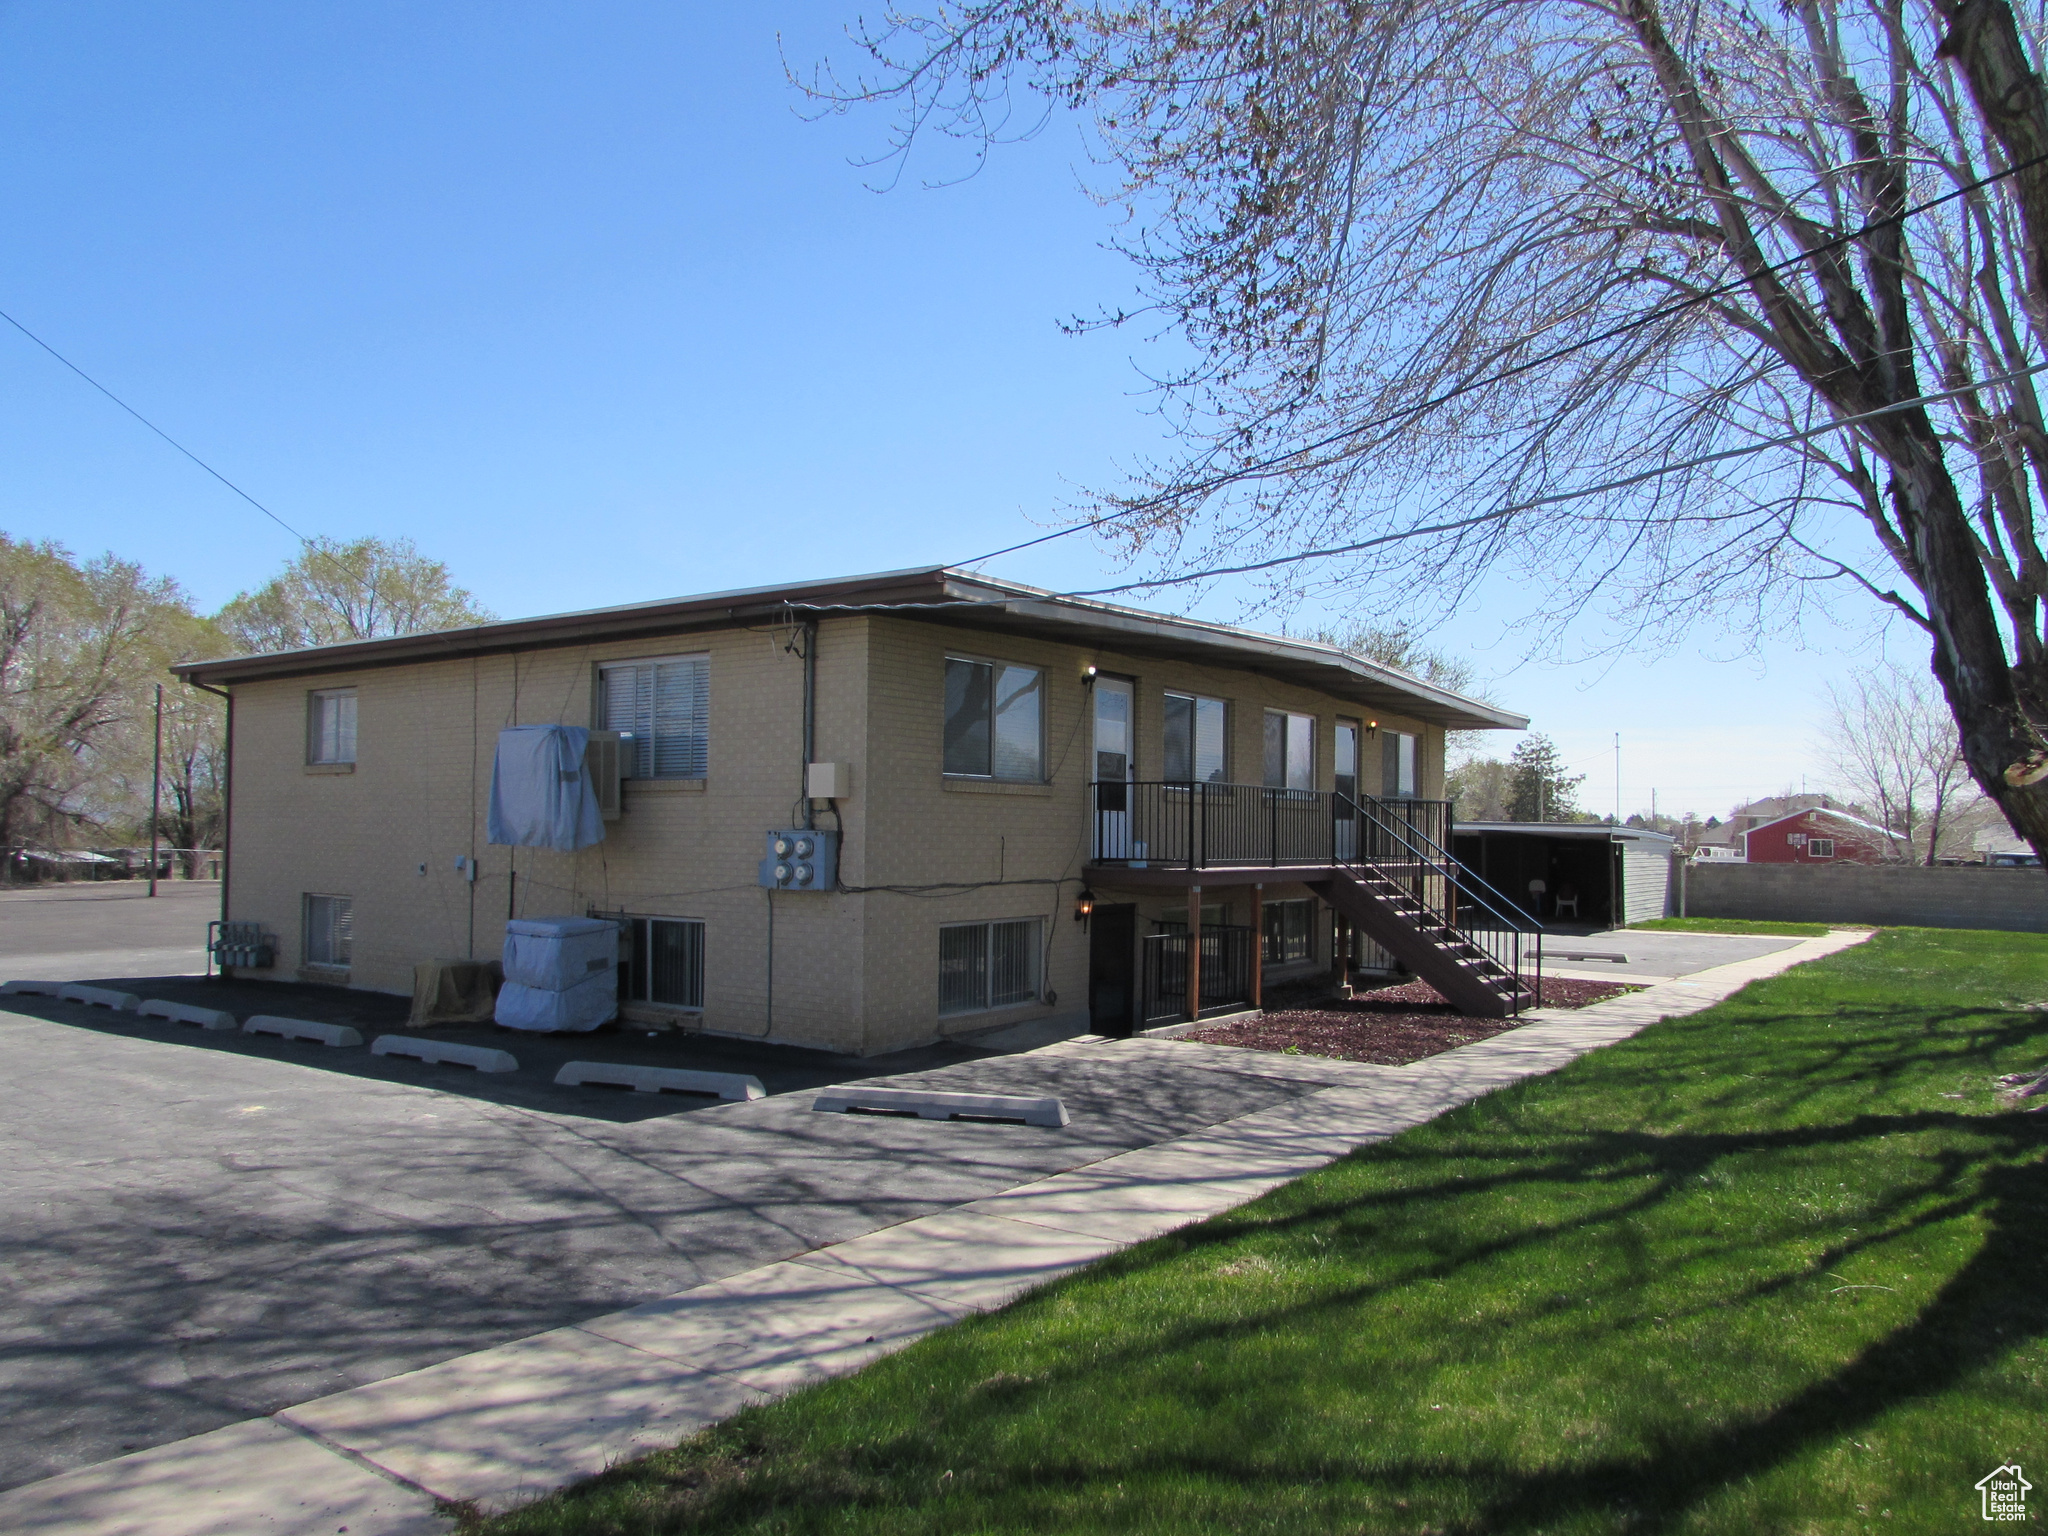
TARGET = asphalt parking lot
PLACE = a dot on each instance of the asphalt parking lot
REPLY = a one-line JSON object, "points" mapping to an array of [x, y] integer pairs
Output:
{"points": [[200, 1228]]}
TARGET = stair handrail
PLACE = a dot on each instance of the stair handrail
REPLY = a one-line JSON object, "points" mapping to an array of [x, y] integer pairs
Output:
{"points": [[1437, 861], [1462, 874]]}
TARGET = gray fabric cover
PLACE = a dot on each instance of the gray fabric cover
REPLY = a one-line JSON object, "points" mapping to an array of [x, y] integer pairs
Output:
{"points": [[541, 793]]}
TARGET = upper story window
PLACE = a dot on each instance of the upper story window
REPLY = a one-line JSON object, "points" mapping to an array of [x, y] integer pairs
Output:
{"points": [[661, 707], [1398, 771], [1290, 750], [993, 712], [331, 725], [1194, 739]]}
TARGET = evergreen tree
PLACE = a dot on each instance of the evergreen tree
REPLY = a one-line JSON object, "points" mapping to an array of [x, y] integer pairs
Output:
{"points": [[1538, 787]]}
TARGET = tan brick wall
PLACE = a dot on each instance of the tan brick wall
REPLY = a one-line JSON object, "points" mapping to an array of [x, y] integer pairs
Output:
{"points": [[854, 971]]}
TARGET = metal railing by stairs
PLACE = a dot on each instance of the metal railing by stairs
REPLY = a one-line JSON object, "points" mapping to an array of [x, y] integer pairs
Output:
{"points": [[1449, 927]]}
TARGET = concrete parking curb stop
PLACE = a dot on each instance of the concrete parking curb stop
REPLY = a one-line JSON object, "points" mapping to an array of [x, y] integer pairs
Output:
{"points": [[483, 1057], [734, 1086], [504, 1425], [300, 1029]]}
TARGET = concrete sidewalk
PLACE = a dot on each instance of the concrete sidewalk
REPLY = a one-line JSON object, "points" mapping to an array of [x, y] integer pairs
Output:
{"points": [[504, 1425]]}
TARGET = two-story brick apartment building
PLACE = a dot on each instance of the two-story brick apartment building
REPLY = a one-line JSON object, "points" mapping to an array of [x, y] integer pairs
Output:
{"points": [[1034, 796]]}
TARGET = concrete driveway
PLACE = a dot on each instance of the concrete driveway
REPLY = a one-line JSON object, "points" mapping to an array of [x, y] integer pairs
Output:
{"points": [[195, 1231], [1651, 954]]}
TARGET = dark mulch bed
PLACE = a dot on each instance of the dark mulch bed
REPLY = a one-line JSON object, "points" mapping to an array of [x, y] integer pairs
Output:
{"points": [[1389, 1027]]}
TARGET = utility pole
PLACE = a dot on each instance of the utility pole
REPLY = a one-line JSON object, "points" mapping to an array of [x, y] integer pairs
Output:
{"points": [[156, 785], [1617, 778]]}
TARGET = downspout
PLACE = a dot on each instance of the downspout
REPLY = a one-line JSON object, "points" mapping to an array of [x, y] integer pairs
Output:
{"points": [[227, 796], [810, 719]]}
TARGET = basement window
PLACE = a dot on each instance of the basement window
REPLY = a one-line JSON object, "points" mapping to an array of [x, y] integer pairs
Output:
{"points": [[330, 930], [667, 964], [988, 965], [1290, 931]]}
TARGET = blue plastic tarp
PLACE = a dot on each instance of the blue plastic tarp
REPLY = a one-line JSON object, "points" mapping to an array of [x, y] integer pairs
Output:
{"points": [[541, 793]]}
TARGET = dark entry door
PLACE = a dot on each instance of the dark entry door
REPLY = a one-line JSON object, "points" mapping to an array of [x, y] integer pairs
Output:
{"points": [[1112, 969]]}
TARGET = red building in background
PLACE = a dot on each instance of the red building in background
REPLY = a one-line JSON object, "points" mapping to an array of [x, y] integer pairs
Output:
{"points": [[1821, 836]]}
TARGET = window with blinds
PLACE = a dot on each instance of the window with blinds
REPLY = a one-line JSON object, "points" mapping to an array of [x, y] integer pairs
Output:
{"points": [[667, 964], [988, 965], [331, 725], [660, 707], [330, 929]]}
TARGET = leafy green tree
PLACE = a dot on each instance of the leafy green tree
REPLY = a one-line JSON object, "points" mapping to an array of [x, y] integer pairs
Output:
{"points": [[360, 589], [1478, 789], [80, 651], [1538, 787]]}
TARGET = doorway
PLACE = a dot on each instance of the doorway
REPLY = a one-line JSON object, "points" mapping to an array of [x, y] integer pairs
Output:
{"points": [[1112, 970], [1113, 768]]}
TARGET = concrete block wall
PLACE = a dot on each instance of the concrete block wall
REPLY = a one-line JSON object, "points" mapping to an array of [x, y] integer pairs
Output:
{"points": [[854, 971], [2015, 900]]}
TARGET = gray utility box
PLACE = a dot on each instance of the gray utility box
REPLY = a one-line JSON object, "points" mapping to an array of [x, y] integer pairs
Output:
{"points": [[801, 860]]}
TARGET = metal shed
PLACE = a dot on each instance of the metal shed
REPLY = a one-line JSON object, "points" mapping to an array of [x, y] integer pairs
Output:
{"points": [[1621, 875]]}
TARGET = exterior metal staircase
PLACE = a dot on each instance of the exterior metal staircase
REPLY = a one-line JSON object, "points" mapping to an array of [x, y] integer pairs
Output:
{"points": [[1375, 861], [1415, 900]]}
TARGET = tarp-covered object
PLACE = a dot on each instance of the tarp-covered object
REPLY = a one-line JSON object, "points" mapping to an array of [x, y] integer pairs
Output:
{"points": [[575, 1010], [556, 953], [541, 794], [453, 992]]}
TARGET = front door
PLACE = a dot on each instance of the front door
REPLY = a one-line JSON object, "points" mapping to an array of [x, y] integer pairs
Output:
{"points": [[1344, 805], [1112, 969], [1113, 768]]}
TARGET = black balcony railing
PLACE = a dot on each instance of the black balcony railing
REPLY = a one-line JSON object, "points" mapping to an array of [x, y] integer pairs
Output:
{"points": [[1222, 826]]}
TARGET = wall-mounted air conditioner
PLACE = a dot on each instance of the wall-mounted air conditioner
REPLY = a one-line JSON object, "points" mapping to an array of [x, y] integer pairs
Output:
{"points": [[605, 757]]}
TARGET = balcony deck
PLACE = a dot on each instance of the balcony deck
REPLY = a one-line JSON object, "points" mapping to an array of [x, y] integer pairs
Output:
{"points": [[1164, 834]]}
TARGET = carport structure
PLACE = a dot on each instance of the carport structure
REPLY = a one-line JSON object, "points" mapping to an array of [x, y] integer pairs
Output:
{"points": [[1621, 875]]}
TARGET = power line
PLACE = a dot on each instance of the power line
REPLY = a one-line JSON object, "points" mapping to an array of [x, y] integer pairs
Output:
{"points": [[159, 431], [1475, 521], [1677, 306]]}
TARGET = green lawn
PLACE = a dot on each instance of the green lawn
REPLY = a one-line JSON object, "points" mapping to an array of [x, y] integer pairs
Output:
{"points": [[1736, 925], [1781, 1266]]}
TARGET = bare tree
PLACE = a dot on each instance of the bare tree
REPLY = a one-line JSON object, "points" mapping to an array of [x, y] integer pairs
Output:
{"points": [[355, 590], [1707, 314], [1892, 745]]}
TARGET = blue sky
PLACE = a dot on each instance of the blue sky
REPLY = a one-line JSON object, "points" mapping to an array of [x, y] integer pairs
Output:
{"points": [[575, 297]]}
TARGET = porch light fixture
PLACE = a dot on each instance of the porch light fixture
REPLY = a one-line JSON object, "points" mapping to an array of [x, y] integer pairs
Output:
{"points": [[1084, 904], [1372, 727], [1088, 674]]}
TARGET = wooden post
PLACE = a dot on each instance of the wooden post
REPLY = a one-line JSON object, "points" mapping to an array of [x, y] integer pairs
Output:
{"points": [[1258, 946], [1194, 953], [1344, 957]]}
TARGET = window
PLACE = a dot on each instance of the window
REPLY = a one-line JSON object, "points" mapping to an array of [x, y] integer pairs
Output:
{"points": [[331, 725], [1397, 756], [1820, 847], [667, 964], [1194, 739], [988, 965], [992, 715], [660, 708], [1213, 916], [1290, 931], [1290, 750], [330, 929]]}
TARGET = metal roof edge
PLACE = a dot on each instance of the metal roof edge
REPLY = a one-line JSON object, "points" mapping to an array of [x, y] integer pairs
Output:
{"points": [[933, 591]]}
